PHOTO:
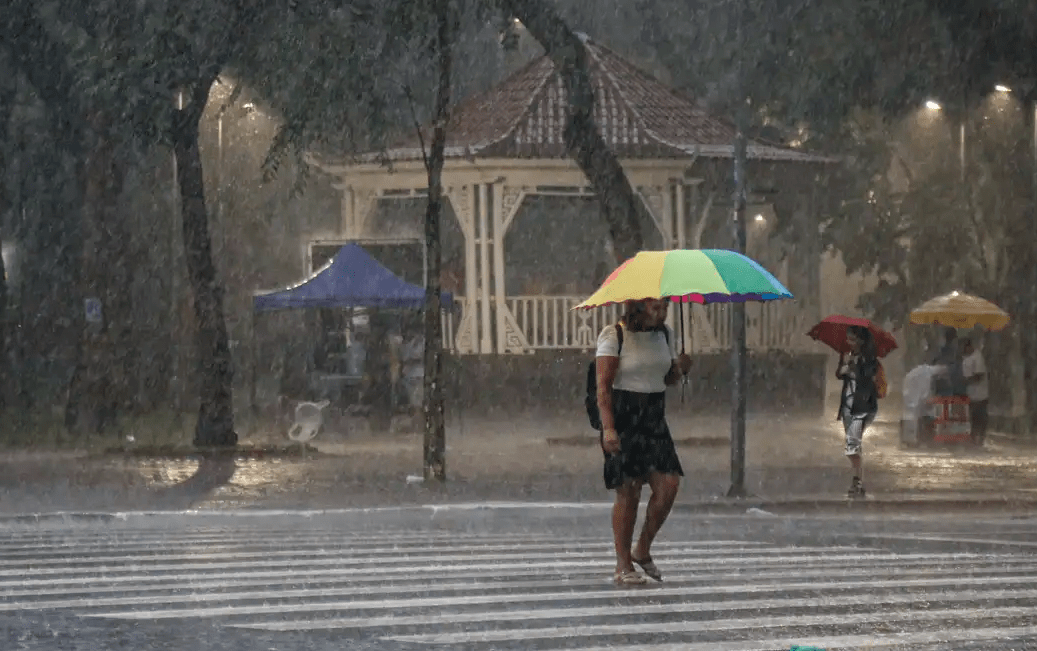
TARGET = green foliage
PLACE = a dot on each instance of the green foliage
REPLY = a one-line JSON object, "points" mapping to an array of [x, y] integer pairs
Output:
{"points": [[906, 210]]}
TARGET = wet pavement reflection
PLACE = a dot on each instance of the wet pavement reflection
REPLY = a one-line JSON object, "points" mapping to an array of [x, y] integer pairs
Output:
{"points": [[506, 460]]}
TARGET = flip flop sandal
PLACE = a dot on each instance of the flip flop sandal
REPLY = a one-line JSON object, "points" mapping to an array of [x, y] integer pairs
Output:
{"points": [[650, 568], [629, 577]]}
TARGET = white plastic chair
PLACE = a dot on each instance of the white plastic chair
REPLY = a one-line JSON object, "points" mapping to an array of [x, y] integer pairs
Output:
{"points": [[309, 418]]}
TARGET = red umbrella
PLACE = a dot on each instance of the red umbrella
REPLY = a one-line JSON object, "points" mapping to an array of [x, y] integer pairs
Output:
{"points": [[832, 331]]}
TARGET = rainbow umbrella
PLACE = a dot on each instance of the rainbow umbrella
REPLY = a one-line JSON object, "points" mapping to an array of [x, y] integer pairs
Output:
{"points": [[688, 276]]}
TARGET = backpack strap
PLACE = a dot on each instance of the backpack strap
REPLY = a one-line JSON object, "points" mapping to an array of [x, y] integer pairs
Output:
{"points": [[619, 337]]}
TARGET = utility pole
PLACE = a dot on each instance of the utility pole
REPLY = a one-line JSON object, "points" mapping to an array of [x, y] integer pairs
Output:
{"points": [[175, 235], [738, 346]]}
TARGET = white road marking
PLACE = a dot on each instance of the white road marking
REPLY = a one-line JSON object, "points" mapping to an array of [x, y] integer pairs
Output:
{"points": [[830, 643], [434, 588], [525, 597], [722, 624], [419, 579], [629, 609]]}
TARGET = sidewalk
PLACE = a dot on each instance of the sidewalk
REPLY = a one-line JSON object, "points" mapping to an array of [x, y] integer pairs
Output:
{"points": [[792, 463]]}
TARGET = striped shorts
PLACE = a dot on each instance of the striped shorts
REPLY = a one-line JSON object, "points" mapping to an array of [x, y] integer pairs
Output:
{"points": [[854, 426]]}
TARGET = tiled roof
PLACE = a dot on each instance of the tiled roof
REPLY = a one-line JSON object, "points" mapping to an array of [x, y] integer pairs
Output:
{"points": [[639, 117]]}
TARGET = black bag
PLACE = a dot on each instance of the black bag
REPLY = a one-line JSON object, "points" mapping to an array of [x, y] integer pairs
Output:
{"points": [[590, 401]]}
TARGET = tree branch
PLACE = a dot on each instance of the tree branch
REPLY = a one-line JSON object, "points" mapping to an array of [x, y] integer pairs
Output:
{"points": [[417, 126], [619, 202]]}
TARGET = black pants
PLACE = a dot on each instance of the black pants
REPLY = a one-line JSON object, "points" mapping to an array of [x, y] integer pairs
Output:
{"points": [[979, 417]]}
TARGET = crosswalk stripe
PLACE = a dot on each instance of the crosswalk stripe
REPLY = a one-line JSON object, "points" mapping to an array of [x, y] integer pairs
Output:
{"points": [[524, 597], [443, 558], [112, 542], [421, 581], [499, 567], [628, 609], [959, 539], [116, 534], [394, 590], [332, 550], [463, 590], [725, 624], [829, 643]]}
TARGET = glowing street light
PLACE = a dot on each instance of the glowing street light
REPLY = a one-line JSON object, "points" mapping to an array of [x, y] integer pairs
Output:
{"points": [[759, 218], [933, 105], [1001, 88]]}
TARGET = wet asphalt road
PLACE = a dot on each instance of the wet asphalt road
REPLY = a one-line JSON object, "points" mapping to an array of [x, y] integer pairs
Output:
{"points": [[482, 576]]}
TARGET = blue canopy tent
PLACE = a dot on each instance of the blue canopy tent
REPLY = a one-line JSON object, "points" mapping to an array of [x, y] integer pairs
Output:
{"points": [[352, 279]]}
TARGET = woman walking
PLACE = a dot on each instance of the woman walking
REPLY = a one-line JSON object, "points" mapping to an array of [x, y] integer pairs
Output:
{"points": [[635, 362], [860, 398]]}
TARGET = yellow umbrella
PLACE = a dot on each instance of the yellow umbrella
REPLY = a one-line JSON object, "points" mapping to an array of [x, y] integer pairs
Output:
{"points": [[960, 310]]}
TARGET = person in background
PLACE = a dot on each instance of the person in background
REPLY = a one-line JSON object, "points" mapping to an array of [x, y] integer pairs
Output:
{"points": [[952, 381], [860, 399], [451, 276], [635, 438], [974, 369], [412, 359]]}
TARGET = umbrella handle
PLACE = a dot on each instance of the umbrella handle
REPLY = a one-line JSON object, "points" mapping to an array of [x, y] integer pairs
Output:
{"points": [[680, 308]]}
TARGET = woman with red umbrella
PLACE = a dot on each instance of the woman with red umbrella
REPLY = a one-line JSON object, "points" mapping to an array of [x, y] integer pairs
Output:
{"points": [[860, 398], [859, 343]]}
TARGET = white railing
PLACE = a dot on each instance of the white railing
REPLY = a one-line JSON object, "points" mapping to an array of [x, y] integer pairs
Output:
{"points": [[549, 323], [773, 325]]}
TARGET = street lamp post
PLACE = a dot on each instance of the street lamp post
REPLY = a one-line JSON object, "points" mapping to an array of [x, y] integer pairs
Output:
{"points": [[1026, 301]]}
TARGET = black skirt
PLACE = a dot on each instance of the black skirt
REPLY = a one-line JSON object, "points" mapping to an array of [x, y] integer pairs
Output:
{"points": [[645, 442]]}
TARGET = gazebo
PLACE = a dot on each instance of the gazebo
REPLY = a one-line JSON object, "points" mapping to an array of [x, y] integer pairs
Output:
{"points": [[506, 146]]}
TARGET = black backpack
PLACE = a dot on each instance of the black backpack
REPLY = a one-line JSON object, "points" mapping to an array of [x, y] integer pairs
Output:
{"points": [[590, 401]]}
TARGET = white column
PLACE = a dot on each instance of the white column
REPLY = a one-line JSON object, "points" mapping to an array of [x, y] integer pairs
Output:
{"points": [[681, 215], [666, 218], [348, 213], [498, 266], [468, 336], [680, 220], [485, 340], [363, 202]]}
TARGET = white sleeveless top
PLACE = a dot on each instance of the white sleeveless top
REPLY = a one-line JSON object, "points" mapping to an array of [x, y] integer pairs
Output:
{"points": [[644, 361]]}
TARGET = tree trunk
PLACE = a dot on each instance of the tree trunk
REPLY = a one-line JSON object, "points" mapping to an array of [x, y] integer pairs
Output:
{"points": [[97, 387], [215, 425], [435, 422], [5, 370], [620, 204], [6, 375]]}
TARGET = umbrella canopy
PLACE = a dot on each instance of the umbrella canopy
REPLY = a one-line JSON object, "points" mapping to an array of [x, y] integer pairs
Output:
{"points": [[688, 276], [352, 279], [960, 310], [831, 331]]}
